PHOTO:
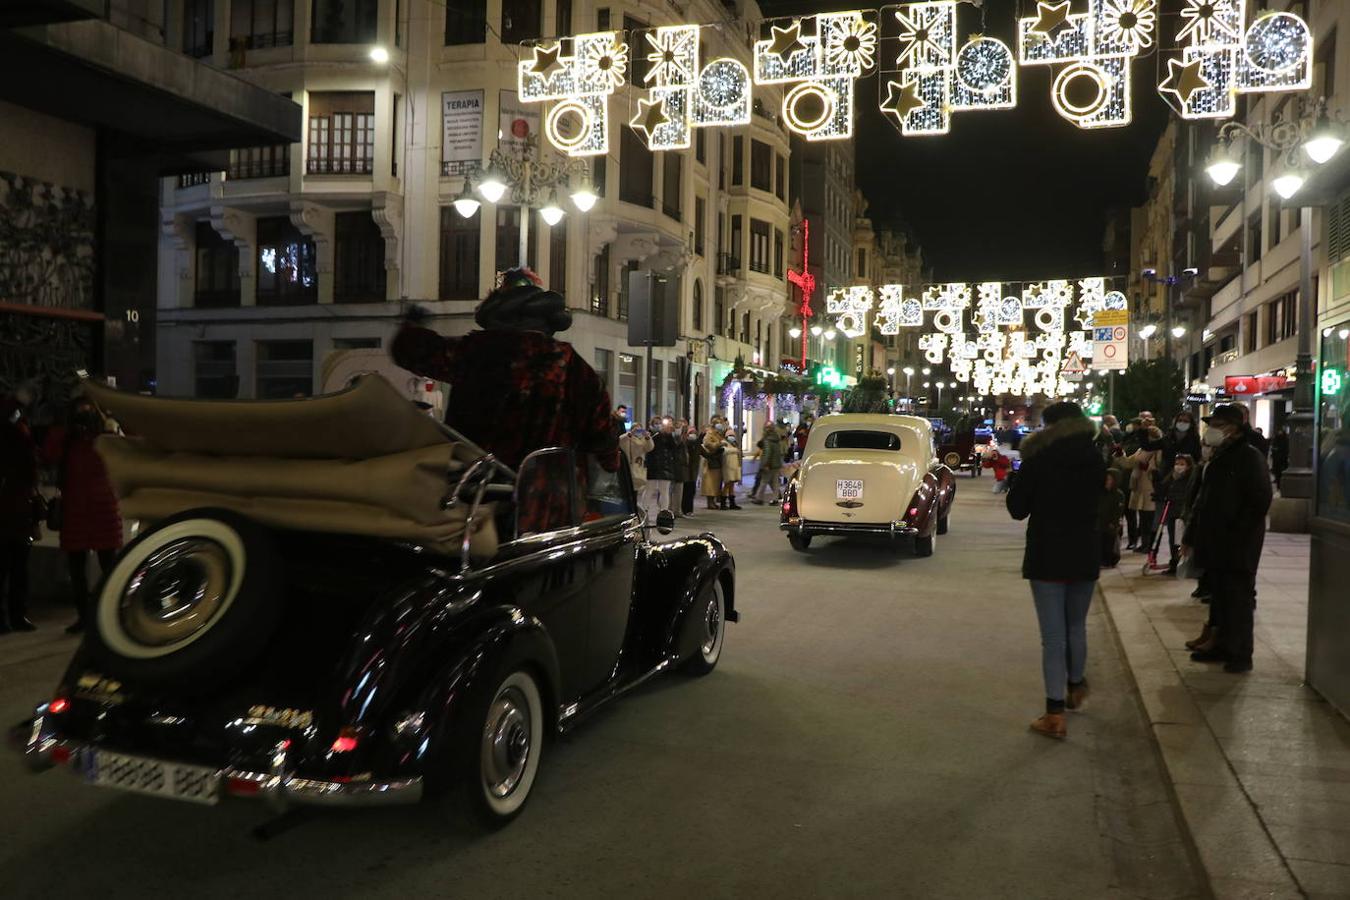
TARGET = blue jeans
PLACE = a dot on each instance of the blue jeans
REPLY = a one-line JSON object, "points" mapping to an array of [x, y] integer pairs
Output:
{"points": [[1062, 612]]}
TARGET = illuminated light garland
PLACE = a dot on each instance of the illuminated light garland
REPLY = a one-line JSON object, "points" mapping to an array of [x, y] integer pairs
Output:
{"points": [[927, 35], [787, 56], [1110, 107], [1069, 45], [953, 295], [1277, 55], [673, 56], [1211, 23], [723, 95], [897, 311], [835, 119], [850, 43], [674, 132], [947, 320], [986, 76], [582, 81], [1123, 26], [1050, 318]]}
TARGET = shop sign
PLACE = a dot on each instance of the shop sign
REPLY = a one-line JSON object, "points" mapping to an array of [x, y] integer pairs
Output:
{"points": [[830, 377], [1250, 385], [1332, 382], [1197, 397], [515, 120], [461, 131]]}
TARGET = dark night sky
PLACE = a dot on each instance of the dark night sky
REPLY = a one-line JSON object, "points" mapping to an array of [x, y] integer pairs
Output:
{"points": [[1006, 194]]}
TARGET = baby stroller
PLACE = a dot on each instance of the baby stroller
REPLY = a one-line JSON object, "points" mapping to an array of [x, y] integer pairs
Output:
{"points": [[1151, 564]]}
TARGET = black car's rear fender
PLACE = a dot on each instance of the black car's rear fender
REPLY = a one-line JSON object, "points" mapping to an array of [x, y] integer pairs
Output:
{"points": [[492, 641], [671, 578]]}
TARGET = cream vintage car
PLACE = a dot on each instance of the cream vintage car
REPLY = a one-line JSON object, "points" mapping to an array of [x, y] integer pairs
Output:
{"points": [[869, 474]]}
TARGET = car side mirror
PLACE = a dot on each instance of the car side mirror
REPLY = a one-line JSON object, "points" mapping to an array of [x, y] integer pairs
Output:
{"points": [[665, 521]]}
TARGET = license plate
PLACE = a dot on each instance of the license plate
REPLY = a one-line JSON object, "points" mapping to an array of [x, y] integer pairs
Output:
{"points": [[848, 489], [176, 781]]}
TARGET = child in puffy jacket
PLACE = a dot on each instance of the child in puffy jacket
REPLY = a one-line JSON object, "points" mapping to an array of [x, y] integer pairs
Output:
{"points": [[1001, 464]]}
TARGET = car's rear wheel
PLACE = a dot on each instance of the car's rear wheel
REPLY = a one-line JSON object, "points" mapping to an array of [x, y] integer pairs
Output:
{"points": [[923, 545], [507, 747], [190, 604], [800, 542], [712, 618]]}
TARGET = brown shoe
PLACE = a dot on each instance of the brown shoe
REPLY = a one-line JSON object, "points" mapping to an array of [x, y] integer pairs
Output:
{"points": [[1210, 644], [1206, 635], [1077, 694], [1051, 725]]}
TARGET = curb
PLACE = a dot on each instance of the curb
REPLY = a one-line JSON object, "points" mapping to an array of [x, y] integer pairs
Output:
{"points": [[1236, 852]]}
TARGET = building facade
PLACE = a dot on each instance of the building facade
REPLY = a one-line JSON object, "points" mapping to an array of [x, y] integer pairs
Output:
{"points": [[300, 250]]}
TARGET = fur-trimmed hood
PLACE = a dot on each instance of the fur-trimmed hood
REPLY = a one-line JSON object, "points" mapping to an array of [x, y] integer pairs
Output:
{"points": [[1039, 441]]}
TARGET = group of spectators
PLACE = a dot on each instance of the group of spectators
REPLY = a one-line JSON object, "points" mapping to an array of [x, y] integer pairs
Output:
{"points": [[53, 478], [1078, 480], [672, 461]]}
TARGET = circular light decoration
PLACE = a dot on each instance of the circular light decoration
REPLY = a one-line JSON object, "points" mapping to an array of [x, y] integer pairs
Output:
{"points": [[801, 92], [984, 65], [852, 324], [560, 133], [1050, 318], [606, 61], [722, 83], [1068, 75], [1277, 42], [947, 320], [1115, 300]]}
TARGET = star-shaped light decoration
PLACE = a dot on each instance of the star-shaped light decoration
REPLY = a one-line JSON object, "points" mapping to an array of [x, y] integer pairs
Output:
{"points": [[651, 115], [670, 50], [546, 60], [1210, 22], [1051, 18], [1183, 79], [787, 41], [920, 39], [902, 99]]}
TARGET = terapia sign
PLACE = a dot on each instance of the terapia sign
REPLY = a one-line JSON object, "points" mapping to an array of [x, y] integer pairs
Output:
{"points": [[928, 70]]}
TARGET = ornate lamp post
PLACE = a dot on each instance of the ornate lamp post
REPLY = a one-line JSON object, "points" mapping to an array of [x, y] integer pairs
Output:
{"points": [[518, 168], [1320, 135]]}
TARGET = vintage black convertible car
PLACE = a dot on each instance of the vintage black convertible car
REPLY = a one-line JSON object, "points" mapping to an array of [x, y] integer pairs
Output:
{"points": [[333, 602]]}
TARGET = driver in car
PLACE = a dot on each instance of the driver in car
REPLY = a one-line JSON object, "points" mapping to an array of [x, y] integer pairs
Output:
{"points": [[514, 388]]}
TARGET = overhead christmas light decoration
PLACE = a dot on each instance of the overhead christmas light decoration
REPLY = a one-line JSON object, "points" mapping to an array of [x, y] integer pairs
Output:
{"points": [[1222, 60], [927, 72], [850, 306], [579, 124]]}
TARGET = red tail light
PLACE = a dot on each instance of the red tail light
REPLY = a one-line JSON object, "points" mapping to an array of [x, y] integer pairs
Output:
{"points": [[60, 755], [345, 742], [243, 787], [58, 706], [790, 503]]}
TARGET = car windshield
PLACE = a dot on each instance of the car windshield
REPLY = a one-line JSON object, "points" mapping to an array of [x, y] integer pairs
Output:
{"points": [[862, 440]]}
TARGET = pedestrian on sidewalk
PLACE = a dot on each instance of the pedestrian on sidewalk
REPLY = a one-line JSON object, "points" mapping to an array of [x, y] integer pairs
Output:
{"points": [[18, 509], [712, 450], [1001, 463], [1143, 489], [1109, 510], [680, 473], [1227, 531], [1279, 453], [1058, 487], [635, 444], [770, 455], [731, 469], [89, 519], [660, 467], [693, 441], [1176, 493]]}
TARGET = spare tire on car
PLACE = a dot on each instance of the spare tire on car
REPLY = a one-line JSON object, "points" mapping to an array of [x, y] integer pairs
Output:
{"points": [[189, 604]]}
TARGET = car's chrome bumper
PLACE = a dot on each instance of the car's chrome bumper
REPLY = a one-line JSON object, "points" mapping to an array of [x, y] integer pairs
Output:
{"points": [[807, 527], [44, 750]]}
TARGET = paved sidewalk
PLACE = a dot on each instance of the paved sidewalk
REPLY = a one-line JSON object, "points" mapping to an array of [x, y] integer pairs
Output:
{"points": [[1260, 764]]}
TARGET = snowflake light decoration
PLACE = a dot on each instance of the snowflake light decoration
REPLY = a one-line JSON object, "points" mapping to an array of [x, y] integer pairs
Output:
{"points": [[819, 106], [1208, 23], [581, 83], [1126, 26], [927, 34], [605, 62], [850, 44], [673, 57]]}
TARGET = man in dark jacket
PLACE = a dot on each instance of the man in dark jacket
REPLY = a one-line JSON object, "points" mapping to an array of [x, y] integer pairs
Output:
{"points": [[660, 467], [515, 389], [1226, 532], [1062, 477]]}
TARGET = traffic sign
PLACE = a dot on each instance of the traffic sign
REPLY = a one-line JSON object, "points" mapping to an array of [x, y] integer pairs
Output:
{"points": [[1073, 368], [1110, 339]]}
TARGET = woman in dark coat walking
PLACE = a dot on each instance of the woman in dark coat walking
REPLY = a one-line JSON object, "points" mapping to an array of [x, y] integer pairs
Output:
{"points": [[1058, 486], [90, 518]]}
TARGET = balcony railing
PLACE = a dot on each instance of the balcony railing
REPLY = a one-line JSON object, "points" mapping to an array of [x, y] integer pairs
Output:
{"points": [[761, 266], [259, 162], [727, 264], [327, 165], [192, 179], [672, 212]]}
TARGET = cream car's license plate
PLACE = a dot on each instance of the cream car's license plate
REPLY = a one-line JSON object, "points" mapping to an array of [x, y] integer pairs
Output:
{"points": [[177, 781], [848, 489]]}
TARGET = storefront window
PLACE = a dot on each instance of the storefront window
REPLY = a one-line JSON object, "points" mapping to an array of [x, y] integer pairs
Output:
{"points": [[1333, 425]]}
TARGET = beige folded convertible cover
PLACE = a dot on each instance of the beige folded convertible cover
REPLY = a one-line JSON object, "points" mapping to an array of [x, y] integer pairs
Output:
{"points": [[363, 461]]}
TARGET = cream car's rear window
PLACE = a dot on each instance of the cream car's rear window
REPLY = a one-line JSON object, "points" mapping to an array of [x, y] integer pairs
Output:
{"points": [[862, 440]]}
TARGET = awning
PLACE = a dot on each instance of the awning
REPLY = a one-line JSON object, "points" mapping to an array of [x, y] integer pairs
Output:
{"points": [[152, 102]]}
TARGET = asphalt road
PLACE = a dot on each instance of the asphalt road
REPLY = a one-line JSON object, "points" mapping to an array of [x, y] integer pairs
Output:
{"points": [[865, 735]]}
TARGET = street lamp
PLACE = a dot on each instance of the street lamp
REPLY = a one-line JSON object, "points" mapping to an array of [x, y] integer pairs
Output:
{"points": [[794, 332], [518, 170], [831, 335], [927, 371], [379, 55], [1178, 331], [1151, 275], [1318, 133], [1147, 331], [816, 331]]}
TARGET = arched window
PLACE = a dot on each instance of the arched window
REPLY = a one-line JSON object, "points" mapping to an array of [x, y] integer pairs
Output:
{"points": [[698, 307]]}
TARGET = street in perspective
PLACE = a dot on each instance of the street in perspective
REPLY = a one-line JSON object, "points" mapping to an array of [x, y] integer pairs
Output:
{"points": [[747, 449]]}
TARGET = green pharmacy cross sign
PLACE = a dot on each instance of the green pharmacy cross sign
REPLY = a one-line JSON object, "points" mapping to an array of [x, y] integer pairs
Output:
{"points": [[1331, 382], [828, 376]]}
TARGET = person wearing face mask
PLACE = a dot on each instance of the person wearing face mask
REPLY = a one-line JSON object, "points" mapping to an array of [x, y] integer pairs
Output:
{"points": [[89, 519], [712, 450], [1176, 491], [1226, 533], [1180, 438]]}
